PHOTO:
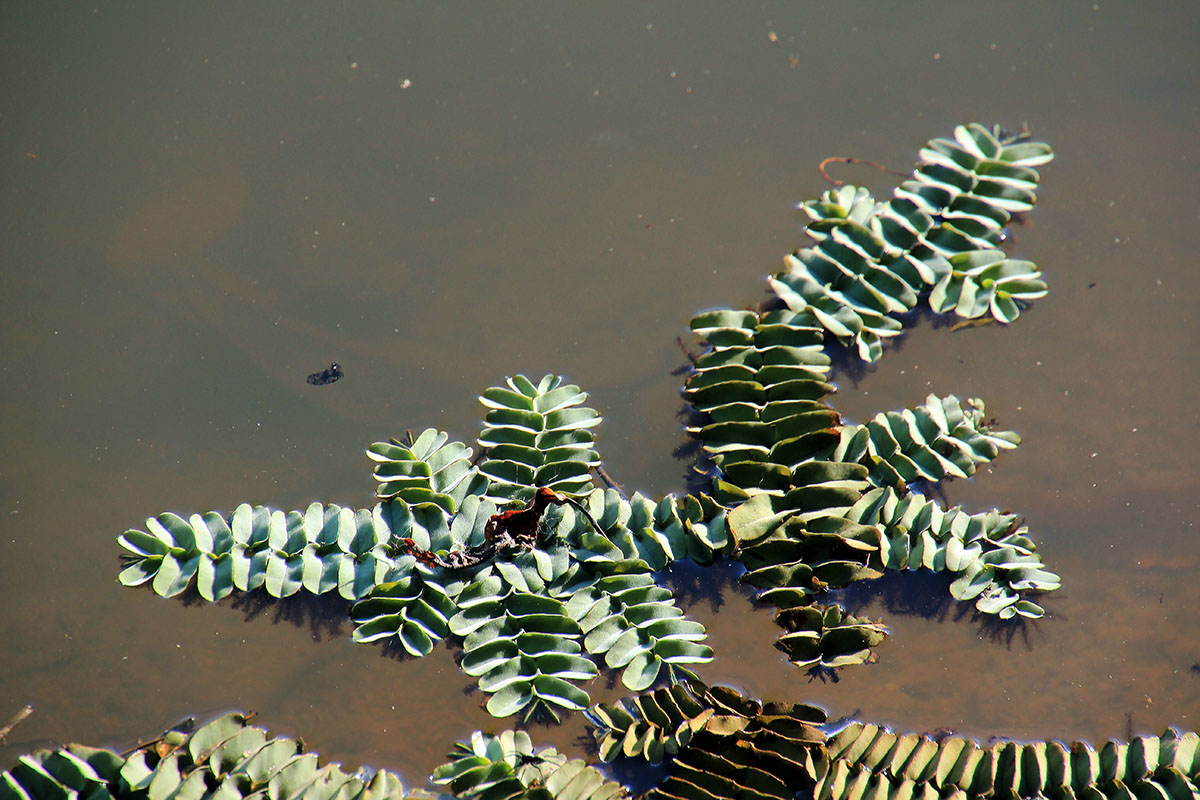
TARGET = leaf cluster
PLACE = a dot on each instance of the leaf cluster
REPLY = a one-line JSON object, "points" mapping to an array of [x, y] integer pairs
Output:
{"points": [[869, 761], [537, 436], [939, 237], [534, 623], [816, 504], [226, 759], [722, 745], [319, 549], [507, 766]]}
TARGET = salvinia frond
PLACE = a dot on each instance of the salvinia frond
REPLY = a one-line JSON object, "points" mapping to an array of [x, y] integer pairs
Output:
{"points": [[991, 552], [761, 389], [226, 758], [943, 438], [723, 745], [508, 766], [798, 545], [793, 486], [938, 236], [429, 469], [537, 435], [589, 586], [869, 760], [320, 549]]}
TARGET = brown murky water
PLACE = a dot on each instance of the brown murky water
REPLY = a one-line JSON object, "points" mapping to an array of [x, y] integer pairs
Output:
{"points": [[202, 205]]}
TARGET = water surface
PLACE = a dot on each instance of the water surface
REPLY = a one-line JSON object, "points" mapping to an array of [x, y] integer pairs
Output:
{"points": [[204, 204]]}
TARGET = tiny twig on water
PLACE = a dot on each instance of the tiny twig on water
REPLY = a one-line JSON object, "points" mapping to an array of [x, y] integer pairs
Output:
{"points": [[604, 476], [852, 160]]}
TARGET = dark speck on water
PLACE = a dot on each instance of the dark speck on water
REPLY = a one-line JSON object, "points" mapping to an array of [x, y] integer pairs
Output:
{"points": [[325, 376]]}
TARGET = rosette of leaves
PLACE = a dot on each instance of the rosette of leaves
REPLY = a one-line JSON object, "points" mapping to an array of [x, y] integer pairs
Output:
{"points": [[428, 469], [868, 760], [226, 759], [722, 744], [322, 548], [526, 615], [533, 622], [991, 552], [537, 435], [940, 439], [507, 766], [987, 281]]}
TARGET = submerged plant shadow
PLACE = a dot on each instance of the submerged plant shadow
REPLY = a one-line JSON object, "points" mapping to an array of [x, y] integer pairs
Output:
{"points": [[693, 584], [823, 674], [925, 594], [636, 775], [324, 615]]}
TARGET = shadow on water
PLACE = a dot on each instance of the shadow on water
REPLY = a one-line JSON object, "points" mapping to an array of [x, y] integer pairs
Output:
{"points": [[393, 650], [693, 584], [822, 674], [926, 595], [845, 364], [699, 469], [326, 616], [637, 775]]}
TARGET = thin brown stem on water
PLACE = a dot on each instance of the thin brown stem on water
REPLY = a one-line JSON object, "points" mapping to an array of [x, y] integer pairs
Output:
{"points": [[852, 160], [604, 476]]}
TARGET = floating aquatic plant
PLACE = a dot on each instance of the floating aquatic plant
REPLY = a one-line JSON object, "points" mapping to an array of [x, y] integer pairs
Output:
{"points": [[938, 237], [722, 745], [441, 555], [719, 744], [541, 575], [226, 759]]}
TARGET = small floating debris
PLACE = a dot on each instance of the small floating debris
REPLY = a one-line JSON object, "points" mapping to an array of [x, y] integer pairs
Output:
{"points": [[333, 373], [16, 720]]}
